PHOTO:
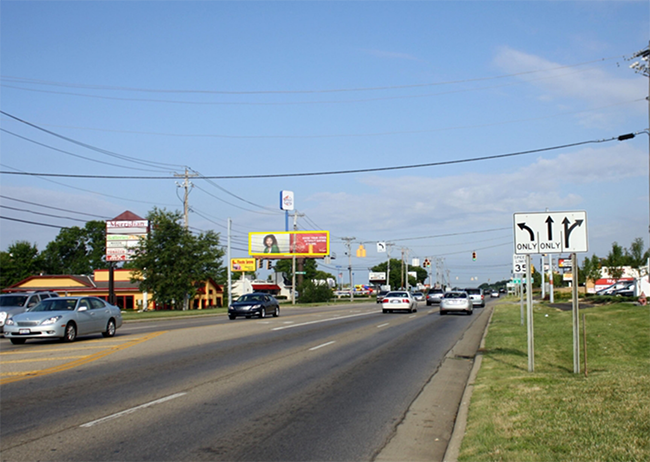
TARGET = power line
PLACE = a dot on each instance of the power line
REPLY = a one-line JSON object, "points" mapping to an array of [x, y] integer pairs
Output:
{"points": [[53, 208], [326, 173], [41, 213], [33, 222], [259, 92]]}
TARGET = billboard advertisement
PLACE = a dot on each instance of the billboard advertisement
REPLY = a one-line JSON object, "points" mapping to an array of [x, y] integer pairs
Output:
{"points": [[283, 244], [242, 264]]}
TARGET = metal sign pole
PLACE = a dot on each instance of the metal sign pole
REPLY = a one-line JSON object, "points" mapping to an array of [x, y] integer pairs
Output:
{"points": [[529, 301], [521, 295], [576, 316]]}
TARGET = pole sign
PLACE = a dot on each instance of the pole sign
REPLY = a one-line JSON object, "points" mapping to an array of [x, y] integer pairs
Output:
{"points": [[286, 200], [550, 232], [519, 264]]}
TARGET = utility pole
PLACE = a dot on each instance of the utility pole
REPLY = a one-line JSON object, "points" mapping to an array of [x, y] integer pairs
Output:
{"points": [[388, 246], [293, 259], [186, 185], [642, 66], [348, 241]]}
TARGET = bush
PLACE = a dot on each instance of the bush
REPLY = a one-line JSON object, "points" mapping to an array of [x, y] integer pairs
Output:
{"points": [[311, 293]]}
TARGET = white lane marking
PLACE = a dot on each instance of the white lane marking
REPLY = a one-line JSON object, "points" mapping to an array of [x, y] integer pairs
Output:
{"points": [[412, 316], [383, 325], [323, 320], [132, 410], [321, 346]]}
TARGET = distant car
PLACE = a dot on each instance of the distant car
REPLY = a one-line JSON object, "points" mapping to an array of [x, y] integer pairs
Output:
{"points": [[434, 296], [418, 296], [12, 304], [494, 294], [399, 300], [66, 318], [478, 299], [456, 301], [257, 304], [381, 294]]}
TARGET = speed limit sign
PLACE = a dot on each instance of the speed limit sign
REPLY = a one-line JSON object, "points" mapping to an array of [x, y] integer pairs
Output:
{"points": [[519, 264]]}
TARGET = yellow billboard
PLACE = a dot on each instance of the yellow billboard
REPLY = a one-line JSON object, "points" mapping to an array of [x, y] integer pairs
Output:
{"points": [[242, 264], [283, 244]]}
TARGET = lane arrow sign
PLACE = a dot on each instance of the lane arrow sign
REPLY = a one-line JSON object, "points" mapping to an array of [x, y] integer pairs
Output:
{"points": [[568, 229], [522, 226], [549, 227]]}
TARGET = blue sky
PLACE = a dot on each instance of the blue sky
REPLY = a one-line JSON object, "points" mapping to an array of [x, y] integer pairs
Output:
{"points": [[255, 88]]}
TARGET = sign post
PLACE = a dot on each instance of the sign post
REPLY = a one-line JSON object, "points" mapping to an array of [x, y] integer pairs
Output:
{"points": [[549, 233]]}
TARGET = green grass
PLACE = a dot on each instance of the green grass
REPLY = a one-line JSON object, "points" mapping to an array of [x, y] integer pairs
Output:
{"points": [[553, 414]]}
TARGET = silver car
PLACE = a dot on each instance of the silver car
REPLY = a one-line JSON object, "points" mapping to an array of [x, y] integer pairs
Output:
{"points": [[12, 304], [65, 318], [456, 301]]}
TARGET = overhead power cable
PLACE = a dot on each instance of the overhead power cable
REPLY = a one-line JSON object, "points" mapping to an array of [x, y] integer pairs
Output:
{"points": [[91, 147], [41, 213], [33, 222], [258, 92], [53, 208], [334, 172]]}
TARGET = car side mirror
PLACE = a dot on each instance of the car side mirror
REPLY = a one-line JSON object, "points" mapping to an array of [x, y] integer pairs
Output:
{"points": [[82, 308]]}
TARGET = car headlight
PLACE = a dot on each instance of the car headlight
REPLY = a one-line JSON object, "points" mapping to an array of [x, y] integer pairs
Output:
{"points": [[3, 316], [254, 307], [50, 321], [9, 322]]}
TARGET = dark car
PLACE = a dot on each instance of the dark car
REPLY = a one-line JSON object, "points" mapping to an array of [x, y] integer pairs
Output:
{"points": [[257, 304], [434, 296], [16, 303], [381, 295]]}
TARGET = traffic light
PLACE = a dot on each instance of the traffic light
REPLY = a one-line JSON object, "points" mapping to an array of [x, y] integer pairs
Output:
{"points": [[260, 263], [268, 264], [474, 256]]}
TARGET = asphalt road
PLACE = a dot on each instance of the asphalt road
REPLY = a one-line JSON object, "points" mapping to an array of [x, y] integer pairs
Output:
{"points": [[314, 384]]}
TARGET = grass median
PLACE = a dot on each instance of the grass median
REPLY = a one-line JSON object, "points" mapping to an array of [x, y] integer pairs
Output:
{"points": [[553, 414]]}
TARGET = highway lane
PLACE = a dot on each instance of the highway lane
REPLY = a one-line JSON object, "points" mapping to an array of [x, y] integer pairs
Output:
{"points": [[331, 384]]}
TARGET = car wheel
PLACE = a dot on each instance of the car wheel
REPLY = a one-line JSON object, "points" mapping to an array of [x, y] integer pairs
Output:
{"points": [[262, 313], [470, 312], [18, 341], [384, 311], [70, 333], [442, 312], [110, 329], [415, 310], [276, 313], [232, 316]]}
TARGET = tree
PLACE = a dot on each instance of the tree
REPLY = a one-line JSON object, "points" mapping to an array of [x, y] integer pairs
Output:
{"points": [[591, 270], [20, 261], [309, 266], [615, 261], [77, 250], [396, 270], [173, 263], [311, 292], [636, 257]]}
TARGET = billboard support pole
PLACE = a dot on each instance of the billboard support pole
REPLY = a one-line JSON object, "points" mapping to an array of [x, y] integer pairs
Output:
{"points": [[111, 283], [229, 269]]}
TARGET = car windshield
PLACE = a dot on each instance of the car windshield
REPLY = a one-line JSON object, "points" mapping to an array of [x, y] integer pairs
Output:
{"points": [[250, 298], [13, 300], [56, 304], [398, 294], [456, 295], [473, 291]]}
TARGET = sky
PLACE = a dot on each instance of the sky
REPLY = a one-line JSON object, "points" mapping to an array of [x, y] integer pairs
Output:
{"points": [[234, 91]]}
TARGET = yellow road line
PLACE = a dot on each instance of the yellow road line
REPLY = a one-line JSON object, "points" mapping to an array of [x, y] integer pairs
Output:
{"points": [[97, 344], [56, 358], [79, 362]]}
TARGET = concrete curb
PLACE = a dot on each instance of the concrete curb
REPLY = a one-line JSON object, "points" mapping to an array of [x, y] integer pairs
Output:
{"points": [[425, 433], [453, 448]]}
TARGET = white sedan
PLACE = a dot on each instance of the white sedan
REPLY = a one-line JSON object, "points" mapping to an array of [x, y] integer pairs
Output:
{"points": [[399, 301]]}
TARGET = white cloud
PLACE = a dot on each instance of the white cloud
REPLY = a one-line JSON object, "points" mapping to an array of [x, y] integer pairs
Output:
{"points": [[478, 200], [588, 84]]}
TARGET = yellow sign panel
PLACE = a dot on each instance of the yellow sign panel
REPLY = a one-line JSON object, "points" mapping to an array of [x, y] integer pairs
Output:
{"points": [[242, 264]]}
